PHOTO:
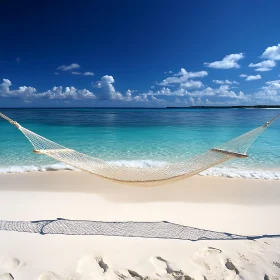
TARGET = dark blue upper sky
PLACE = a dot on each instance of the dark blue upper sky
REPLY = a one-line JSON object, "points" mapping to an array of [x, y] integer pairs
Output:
{"points": [[119, 53]]}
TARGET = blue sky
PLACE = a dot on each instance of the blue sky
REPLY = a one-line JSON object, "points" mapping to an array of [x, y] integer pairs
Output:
{"points": [[139, 53]]}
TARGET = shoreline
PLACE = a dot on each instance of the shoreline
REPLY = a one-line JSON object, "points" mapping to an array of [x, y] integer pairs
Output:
{"points": [[217, 172]]}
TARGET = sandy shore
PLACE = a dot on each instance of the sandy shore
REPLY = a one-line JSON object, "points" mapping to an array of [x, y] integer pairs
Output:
{"points": [[236, 206]]}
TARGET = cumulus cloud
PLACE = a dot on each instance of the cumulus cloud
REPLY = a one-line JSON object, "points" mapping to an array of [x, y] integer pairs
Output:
{"points": [[128, 94], [22, 91], [29, 93], [223, 82], [274, 84], [108, 91], [192, 100], [182, 77], [228, 62], [263, 66], [191, 84], [223, 91], [141, 98], [272, 53], [270, 91], [67, 93], [251, 78], [68, 67], [83, 74]]}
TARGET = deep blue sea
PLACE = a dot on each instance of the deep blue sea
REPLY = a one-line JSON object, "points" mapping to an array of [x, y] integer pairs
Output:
{"points": [[142, 137]]}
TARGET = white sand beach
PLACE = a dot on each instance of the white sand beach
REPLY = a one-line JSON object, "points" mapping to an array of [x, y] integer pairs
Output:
{"points": [[236, 206]]}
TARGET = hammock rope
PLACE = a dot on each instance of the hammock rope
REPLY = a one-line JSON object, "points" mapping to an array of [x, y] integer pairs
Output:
{"points": [[235, 148]]}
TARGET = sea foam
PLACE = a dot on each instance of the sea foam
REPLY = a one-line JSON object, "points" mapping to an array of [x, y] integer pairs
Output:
{"points": [[32, 168], [242, 173], [228, 172]]}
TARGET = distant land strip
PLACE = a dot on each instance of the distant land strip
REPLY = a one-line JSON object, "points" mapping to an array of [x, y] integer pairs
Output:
{"points": [[229, 107]]}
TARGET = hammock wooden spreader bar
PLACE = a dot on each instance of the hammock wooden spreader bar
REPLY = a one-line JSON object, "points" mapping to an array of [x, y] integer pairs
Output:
{"points": [[235, 148], [51, 151], [238, 155]]}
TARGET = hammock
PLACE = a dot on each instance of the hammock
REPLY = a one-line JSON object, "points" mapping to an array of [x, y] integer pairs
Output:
{"points": [[236, 148]]}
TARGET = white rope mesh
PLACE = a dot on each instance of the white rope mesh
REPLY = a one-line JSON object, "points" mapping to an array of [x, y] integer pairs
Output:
{"points": [[144, 176]]}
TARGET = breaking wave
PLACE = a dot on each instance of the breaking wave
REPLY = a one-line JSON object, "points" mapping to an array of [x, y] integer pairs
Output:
{"points": [[228, 172]]}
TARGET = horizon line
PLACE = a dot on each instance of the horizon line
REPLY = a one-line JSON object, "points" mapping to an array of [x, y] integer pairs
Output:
{"points": [[166, 107]]}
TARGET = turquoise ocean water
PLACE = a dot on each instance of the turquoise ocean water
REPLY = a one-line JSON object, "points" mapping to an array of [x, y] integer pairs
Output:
{"points": [[142, 137]]}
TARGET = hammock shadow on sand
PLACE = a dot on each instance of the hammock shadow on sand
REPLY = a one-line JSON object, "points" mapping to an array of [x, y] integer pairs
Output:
{"points": [[158, 230]]}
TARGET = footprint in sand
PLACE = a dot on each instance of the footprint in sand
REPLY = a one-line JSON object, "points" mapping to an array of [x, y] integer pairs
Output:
{"points": [[163, 267], [201, 259], [200, 262], [204, 252], [129, 275], [277, 264], [48, 276], [6, 276], [8, 264], [93, 267], [213, 264], [230, 266]]}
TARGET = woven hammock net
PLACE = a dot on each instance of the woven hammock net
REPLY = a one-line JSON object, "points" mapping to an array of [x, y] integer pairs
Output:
{"points": [[236, 148]]}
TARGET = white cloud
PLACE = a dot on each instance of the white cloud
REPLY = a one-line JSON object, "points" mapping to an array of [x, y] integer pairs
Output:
{"points": [[270, 92], [22, 91], [88, 74], [223, 82], [141, 98], [72, 67], [191, 84], [68, 67], [192, 101], [83, 74], [28, 93], [67, 93], [272, 53], [251, 78], [168, 72], [262, 66], [151, 96], [223, 91], [274, 84], [163, 91], [56, 73], [128, 94], [228, 62], [182, 77], [108, 91]]}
